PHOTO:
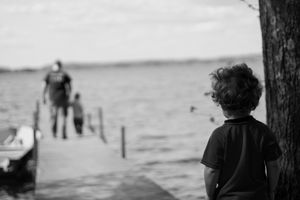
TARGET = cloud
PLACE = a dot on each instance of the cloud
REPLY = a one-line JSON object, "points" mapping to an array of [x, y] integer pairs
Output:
{"points": [[5, 31], [24, 9], [102, 24], [62, 13]]}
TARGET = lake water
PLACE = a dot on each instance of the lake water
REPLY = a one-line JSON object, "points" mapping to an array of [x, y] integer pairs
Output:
{"points": [[164, 138]]}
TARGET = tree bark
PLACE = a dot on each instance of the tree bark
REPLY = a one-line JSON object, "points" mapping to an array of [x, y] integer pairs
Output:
{"points": [[280, 25]]}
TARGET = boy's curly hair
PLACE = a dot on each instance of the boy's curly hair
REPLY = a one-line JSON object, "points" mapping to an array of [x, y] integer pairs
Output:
{"points": [[236, 88]]}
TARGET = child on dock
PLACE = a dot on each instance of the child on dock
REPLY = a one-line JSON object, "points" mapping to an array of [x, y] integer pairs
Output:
{"points": [[239, 151], [78, 114]]}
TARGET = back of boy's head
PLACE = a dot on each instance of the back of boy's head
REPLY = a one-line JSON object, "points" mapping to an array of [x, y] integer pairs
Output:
{"points": [[236, 88], [77, 96]]}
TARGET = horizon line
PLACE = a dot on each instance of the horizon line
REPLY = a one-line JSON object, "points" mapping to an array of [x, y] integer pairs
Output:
{"points": [[131, 61]]}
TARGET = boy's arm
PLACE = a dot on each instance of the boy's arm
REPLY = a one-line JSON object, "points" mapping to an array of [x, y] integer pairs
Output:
{"points": [[211, 177], [273, 170]]}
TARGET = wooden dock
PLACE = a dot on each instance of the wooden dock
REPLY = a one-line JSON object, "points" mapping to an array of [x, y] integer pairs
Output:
{"points": [[84, 168], [76, 157]]}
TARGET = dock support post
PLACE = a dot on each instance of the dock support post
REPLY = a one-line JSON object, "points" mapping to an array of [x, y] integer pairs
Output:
{"points": [[36, 117], [123, 142], [101, 126]]}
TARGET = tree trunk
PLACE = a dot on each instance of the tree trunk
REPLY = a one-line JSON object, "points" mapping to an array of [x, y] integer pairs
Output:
{"points": [[280, 25]]}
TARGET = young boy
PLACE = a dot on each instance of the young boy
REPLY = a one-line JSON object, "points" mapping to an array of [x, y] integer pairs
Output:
{"points": [[78, 114], [238, 152]]}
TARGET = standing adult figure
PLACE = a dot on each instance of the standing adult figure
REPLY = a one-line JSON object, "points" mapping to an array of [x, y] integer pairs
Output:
{"points": [[58, 85]]}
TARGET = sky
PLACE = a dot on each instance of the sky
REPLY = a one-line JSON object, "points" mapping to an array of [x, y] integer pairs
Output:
{"points": [[37, 32]]}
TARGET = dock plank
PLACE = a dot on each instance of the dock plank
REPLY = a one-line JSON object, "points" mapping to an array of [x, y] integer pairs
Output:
{"points": [[76, 157], [139, 188], [113, 186]]}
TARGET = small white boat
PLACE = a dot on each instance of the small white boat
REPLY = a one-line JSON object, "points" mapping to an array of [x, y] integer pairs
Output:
{"points": [[17, 154]]}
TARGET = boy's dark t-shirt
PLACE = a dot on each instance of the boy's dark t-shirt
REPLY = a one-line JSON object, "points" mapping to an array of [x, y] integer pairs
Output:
{"points": [[77, 109], [239, 149]]}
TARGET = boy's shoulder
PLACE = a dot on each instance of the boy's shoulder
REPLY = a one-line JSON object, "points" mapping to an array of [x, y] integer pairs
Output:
{"points": [[73, 103], [262, 126], [218, 133], [256, 124], [77, 103]]}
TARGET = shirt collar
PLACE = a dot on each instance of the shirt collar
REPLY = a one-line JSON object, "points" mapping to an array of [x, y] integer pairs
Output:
{"points": [[239, 120]]}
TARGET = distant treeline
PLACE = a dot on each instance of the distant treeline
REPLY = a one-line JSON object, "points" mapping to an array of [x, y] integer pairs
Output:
{"points": [[7, 70], [169, 62]]}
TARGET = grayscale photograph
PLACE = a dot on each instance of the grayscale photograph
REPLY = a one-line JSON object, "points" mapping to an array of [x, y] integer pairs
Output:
{"points": [[149, 100]]}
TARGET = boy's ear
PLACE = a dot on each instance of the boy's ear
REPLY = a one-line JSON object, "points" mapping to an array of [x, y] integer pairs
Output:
{"points": [[226, 113]]}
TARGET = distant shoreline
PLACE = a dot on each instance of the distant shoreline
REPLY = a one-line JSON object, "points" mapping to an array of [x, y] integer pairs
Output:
{"points": [[162, 62]]}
